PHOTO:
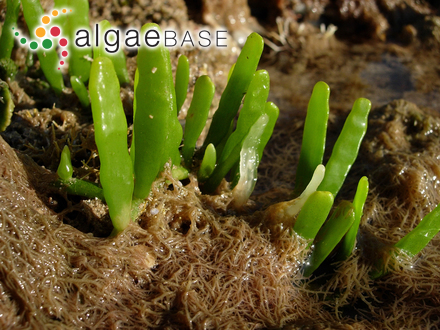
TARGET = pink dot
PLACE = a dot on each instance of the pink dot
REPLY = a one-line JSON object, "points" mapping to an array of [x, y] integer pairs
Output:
{"points": [[64, 53], [63, 42], [61, 62], [55, 31], [58, 68]]}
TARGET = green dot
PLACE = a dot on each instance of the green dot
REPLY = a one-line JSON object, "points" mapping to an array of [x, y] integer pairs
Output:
{"points": [[47, 43], [16, 33], [33, 45], [23, 41]]}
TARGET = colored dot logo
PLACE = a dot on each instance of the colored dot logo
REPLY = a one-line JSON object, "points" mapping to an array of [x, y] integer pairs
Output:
{"points": [[45, 20], [63, 43], [46, 35], [55, 31], [33, 45], [40, 32]]}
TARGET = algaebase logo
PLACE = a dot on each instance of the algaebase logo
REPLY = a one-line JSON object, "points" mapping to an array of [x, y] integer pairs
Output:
{"points": [[48, 35]]}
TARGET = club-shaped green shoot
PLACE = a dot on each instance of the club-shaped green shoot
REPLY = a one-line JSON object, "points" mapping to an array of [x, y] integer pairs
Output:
{"points": [[65, 168], [349, 241], [208, 163], [7, 33], [411, 244], [253, 107], [81, 188], [182, 80], [249, 161], [113, 51], [72, 185], [313, 214], [116, 172], [158, 132], [415, 241], [419, 237], [6, 106], [81, 91], [78, 19], [33, 12], [286, 212], [315, 131], [346, 148], [236, 88], [197, 115], [329, 236], [272, 111]]}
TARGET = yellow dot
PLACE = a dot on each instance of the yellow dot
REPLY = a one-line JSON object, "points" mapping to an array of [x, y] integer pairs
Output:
{"points": [[40, 32], [55, 13], [64, 11], [45, 19]]}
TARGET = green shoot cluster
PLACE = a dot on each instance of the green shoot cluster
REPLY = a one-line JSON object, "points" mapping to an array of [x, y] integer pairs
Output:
{"points": [[307, 214], [317, 186], [127, 175], [231, 147]]}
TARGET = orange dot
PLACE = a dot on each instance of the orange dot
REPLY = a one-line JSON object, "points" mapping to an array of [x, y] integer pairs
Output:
{"points": [[64, 11], [70, 9], [55, 13], [40, 32], [45, 19]]}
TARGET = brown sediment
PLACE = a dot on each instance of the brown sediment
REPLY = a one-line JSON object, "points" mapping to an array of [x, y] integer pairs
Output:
{"points": [[188, 266]]}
